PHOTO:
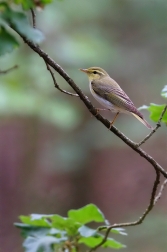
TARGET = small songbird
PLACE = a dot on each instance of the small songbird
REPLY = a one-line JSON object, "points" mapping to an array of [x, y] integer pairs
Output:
{"points": [[108, 93]]}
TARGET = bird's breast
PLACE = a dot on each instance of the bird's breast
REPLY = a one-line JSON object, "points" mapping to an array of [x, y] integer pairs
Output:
{"points": [[107, 104]]}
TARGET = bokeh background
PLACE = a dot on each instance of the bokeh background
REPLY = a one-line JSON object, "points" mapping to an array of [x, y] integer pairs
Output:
{"points": [[53, 155]]}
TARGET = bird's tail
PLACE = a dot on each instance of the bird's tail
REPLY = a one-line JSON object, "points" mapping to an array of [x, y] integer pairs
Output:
{"points": [[142, 120]]}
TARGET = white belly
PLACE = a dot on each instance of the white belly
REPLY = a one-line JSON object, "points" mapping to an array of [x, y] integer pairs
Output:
{"points": [[104, 102]]}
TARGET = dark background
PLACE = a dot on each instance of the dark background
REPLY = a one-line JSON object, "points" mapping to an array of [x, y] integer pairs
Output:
{"points": [[53, 155]]}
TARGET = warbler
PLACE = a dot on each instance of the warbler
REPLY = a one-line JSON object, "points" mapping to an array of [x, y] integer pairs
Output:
{"points": [[108, 93]]}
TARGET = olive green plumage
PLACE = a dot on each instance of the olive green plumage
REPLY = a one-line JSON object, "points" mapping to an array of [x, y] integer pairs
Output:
{"points": [[110, 95]]}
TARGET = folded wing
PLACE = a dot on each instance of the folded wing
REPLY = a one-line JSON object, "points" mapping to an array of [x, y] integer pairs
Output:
{"points": [[114, 94]]}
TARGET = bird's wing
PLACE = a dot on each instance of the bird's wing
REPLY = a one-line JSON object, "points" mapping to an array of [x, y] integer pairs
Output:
{"points": [[112, 92]]}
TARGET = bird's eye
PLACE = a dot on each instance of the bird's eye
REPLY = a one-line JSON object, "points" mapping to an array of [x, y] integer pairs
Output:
{"points": [[94, 72]]}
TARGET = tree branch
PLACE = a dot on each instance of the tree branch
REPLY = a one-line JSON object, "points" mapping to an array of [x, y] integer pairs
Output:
{"points": [[55, 82], [155, 129], [160, 191], [135, 223], [90, 107], [33, 18], [8, 70]]}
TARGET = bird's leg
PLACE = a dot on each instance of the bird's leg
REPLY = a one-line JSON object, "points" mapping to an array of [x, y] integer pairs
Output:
{"points": [[111, 123]]}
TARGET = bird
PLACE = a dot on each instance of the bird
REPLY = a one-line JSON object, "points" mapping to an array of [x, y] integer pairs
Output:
{"points": [[109, 94]]}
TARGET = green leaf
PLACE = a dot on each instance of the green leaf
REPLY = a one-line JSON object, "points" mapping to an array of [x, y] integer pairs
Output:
{"points": [[86, 231], [164, 92], [90, 241], [27, 4], [94, 241], [46, 1], [156, 111], [7, 42], [19, 22], [87, 214], [37, 222], [29, 230], [36, 244], [55, 231], [120, 231], [40, 216], [111, 243], [67, 224]]}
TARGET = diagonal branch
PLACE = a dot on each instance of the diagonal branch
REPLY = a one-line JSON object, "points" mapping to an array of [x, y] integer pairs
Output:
{"points": [[55, 82], [135, 223], [89, 105], [155, 129], [8, 70]]}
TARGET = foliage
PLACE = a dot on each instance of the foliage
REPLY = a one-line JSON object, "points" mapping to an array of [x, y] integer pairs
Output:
{"points": [[8, 42], [57, 233], [16, 20], [54, 232], [156, 110]]}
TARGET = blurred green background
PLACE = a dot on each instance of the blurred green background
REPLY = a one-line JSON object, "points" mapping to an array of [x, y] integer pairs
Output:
{"points": [[53, 155]]}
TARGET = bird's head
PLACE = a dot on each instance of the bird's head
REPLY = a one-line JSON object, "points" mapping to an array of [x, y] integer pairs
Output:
{"points": [[94, 73]]}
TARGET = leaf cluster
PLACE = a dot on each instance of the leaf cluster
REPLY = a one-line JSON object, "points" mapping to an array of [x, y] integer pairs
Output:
{"points": [[28, 4], [56, 233], [156, 109], [16, 20]]}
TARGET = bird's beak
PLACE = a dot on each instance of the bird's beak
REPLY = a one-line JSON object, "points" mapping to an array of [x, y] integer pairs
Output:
{"points": [[83, 70]]}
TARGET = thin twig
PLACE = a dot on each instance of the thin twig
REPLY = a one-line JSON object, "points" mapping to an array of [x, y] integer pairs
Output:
{"points": [[33, 18], [129, 224], [155, 129], [160, 191], [55, 82], [8, 70], [47, 65], [89, 105]]}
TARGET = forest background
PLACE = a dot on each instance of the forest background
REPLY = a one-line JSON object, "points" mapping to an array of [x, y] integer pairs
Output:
{"points": [[53, 155]]}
